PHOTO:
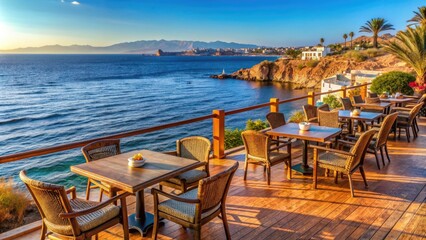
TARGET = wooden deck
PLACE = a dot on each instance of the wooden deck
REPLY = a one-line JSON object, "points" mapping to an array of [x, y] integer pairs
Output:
{"points": [[392, 208]]}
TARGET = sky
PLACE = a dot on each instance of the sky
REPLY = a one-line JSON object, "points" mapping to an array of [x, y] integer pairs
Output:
{"points": [[275, 23]]}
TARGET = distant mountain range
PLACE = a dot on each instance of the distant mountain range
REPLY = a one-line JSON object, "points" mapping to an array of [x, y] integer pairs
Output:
{"points": [[137, 47]]}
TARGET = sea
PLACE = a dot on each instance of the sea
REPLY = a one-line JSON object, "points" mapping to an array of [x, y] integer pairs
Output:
{"points": [[47, 100]]}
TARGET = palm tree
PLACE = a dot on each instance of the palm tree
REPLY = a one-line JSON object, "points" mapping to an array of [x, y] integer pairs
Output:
{"points": [[322, 41], [345, 36], [410, 47], [375, 26], [419, 17], [351, 35]]}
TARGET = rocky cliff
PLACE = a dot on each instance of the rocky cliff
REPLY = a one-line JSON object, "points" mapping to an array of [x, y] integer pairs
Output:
{"points": [[309, 73]]}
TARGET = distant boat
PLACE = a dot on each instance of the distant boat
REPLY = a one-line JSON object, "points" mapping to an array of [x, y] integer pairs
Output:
{"points": [[223, 71]]}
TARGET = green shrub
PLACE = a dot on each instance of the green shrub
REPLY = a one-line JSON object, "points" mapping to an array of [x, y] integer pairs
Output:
{"points": [[372, 52], [393, 82], [233, 138], [300, 66], [12, 202], [354, 92], [297, 117], [356, 56], [332, 101], [256, 125], [312, 63]]}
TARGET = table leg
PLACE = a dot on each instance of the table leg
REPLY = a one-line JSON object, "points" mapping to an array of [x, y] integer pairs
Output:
{"points": [[304, 168], [141, 221]]}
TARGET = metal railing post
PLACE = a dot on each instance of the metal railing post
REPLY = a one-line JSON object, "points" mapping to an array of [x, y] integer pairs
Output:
{"points": [[219, 133], [275, 106]]}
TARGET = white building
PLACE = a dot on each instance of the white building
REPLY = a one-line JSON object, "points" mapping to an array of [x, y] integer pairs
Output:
{"points": [[315, 54]]}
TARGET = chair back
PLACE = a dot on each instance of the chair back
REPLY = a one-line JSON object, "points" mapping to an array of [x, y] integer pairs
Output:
{"points": [[256, 144], [52, 200], [372, 100], [101, 149], [324, 107], [386, 127], [413, 112], [212, 191], [372, 95], [346, 103], [359, 150], [310, 111], [422, 99], [196, 148], [275, 119], [357, 99], [328, 119]]}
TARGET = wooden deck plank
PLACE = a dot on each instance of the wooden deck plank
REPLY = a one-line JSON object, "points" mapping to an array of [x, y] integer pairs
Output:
{"points": [[393, 206]]}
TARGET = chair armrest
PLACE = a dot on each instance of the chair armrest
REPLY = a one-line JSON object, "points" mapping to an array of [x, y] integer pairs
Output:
{"points": [[71, 190], [351, 138], [157, 192], [173, 153], [403, 109], [346, 142], [314, 119], [93, 209], [332, 150]]}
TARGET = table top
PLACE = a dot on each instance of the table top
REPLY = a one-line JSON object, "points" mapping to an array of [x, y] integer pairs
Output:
{"points": [[364, 116], [379, 105], [315, 133], [396, 100], [115, 171]]}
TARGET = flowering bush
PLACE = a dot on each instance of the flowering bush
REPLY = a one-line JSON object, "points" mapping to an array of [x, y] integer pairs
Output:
{"points": [[417, 87]]}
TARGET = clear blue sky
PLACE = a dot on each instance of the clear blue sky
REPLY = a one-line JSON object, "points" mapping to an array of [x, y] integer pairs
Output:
{"points": [[269, 23]]}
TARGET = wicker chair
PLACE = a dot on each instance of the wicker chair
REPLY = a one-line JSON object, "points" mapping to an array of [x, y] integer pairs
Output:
{"points": [[372, 100], [310, 113], [407, 108], [74, 218], [324, 107], [346, 103], [196, 148], [197, 206], [95, 151], [357, 99], [408, 121], [342, 161], [328, 119], [372, 95], [379, 142], [258, 151], [276, 119]]}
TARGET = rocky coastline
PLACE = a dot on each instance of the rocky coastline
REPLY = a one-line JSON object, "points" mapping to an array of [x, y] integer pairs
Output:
{"points": [[309, 73]]}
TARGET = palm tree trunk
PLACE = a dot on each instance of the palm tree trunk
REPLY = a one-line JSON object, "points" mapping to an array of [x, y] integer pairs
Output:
{"points": [[375, 41], [351, 43], [421, 79]]}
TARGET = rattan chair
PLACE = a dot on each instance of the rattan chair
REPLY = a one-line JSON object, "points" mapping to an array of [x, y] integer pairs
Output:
{"points": [[275, 120], [324, 107], [407, 121], [74, 218], [197, 206], [357, 99], [328, 119], [407, 108], [372, 100], [379, 142], [310, 113], [258, 151], [95, 151], [343, 161], [372, 95], [196, 148], [346, 104]]}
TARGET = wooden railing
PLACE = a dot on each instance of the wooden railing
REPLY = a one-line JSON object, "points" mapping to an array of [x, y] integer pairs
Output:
{"points": [[218, 126]]}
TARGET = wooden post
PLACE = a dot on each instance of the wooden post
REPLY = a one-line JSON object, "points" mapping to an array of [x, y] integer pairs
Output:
{"points": [[343, 91], [363, 91], [311, 98], [219, 134], [275, 106]]}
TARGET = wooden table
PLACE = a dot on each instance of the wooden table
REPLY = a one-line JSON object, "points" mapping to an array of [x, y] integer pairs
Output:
{"points": [[315, 134], [384, 106], [115, 171], [364, 116], [399, 102]]}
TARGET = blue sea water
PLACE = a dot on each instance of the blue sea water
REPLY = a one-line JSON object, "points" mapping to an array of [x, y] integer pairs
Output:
{"points": [[46, 100]]}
